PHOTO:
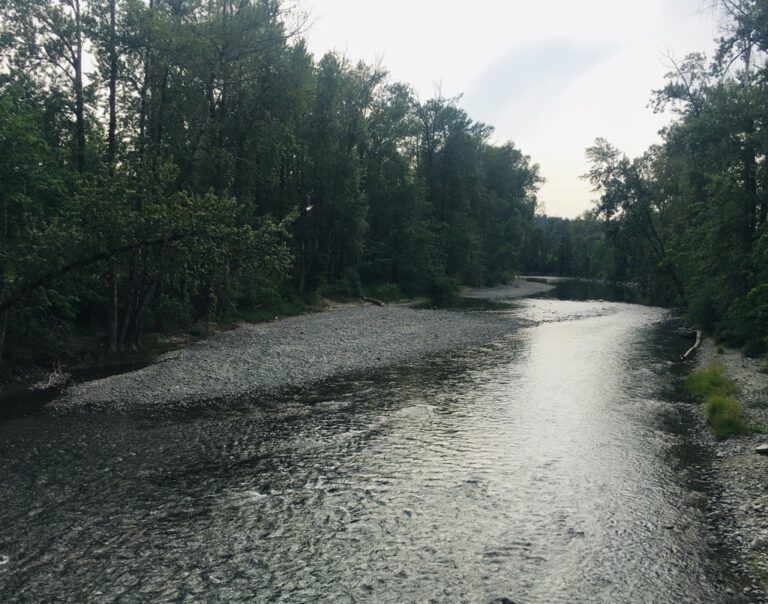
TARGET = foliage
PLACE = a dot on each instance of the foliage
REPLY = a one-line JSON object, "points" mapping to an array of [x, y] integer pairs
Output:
{"points": [[687, 219], [443, 290], [176, 165], [708, 381], [568, 248], [724, 415], [715, 389], [386, 292]]}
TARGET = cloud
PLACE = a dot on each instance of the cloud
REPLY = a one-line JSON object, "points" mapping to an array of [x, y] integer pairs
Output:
{"points": [[550, 75], [528, 81]]}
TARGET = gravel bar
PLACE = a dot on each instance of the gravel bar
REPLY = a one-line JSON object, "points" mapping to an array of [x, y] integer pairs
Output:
{"points": [[267, 358]]}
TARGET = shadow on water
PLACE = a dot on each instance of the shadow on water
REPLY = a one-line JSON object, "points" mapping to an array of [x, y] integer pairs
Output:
{"points": [[20, 401], [590, 289], [463, 303]]}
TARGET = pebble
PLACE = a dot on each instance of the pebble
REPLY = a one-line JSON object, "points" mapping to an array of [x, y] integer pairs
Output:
{"points": [[759, 543]]}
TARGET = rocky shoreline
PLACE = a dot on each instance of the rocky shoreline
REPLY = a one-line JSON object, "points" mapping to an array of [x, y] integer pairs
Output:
{"points": [[739, 510], [265, 359]]}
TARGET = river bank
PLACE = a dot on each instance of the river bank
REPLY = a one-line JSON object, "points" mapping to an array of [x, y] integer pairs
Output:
{"points": [[299, 351], [739, 512]]}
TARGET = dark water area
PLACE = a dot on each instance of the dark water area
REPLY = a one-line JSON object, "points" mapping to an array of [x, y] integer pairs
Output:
{"points": [[23, 400], [551, 465], [592, 289]]}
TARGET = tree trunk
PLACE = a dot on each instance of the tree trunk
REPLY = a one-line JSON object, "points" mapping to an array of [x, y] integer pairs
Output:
{"points": [[138, 323], [143, 104], [111, 160], [79, 97], [160, 122], [3, 323], [113, 67], [112, 304]]}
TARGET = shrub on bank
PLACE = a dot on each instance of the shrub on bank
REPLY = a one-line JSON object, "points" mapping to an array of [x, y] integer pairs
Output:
{"points": [[725, 416], [443, 290], [710, 380], [723, 412], [386, 292]]}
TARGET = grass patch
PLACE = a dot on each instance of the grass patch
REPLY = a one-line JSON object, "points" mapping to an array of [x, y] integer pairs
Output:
{"points": [[725, 416], [757, 569], [708, 381], [715, 389]]}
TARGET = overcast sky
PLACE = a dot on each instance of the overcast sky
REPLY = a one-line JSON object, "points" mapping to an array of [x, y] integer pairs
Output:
{"points": [[550, 75]]}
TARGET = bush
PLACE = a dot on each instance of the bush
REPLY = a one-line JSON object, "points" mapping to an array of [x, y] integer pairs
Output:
{"points": [[711, 380], [723, 412], [754, 348], [387, 292], [443, 290], [502, 277], [346, 288], [262, 297], [724, 415]]}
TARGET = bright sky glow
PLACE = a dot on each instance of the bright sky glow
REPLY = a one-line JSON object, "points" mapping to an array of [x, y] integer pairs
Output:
{"points": [[550, 75]]}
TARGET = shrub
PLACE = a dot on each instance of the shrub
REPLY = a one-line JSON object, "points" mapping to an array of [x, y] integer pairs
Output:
{"points": [[443, 290], [387, 292], [502, 277], [346, 288], [754, 347], [723, 412], [724, 415], [708, 381]]}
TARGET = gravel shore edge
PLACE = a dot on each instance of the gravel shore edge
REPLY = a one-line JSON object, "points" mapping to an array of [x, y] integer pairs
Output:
{"points": [[266, 358], [739, 512]]}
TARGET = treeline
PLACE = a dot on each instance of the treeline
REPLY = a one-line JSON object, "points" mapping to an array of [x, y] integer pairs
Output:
{"points": [[567, 247], [687, 219], [171, 162]]}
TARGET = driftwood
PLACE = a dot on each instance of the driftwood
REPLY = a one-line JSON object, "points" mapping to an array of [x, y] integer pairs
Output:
{"points": [[58, 378], [699, 337], [372, 301]]}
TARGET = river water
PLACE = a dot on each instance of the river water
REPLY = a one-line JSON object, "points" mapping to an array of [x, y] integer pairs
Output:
{"points": [[551, 465]]}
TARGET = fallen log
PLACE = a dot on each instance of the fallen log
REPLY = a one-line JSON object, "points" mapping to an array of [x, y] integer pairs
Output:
{"points": [[372, 301], [699, 337]]}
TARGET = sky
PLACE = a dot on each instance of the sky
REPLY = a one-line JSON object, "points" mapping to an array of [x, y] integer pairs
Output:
{"points": [[549, 75]]}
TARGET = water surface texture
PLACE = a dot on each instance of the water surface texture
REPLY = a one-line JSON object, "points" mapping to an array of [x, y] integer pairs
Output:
{"points": [[547, 466]]}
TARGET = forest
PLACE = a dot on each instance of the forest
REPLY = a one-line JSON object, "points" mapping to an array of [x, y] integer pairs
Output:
{"points": [[687, 219], [173, 165]]}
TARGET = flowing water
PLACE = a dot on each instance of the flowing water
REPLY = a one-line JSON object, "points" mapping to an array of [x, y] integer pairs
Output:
{"points": [[551, 465]]}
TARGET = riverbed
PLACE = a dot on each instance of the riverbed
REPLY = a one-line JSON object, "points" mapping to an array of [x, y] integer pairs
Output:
{"points": [[546, 463]]}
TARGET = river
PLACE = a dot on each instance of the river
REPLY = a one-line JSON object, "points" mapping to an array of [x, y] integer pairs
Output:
{"points": [[551, 465]]}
